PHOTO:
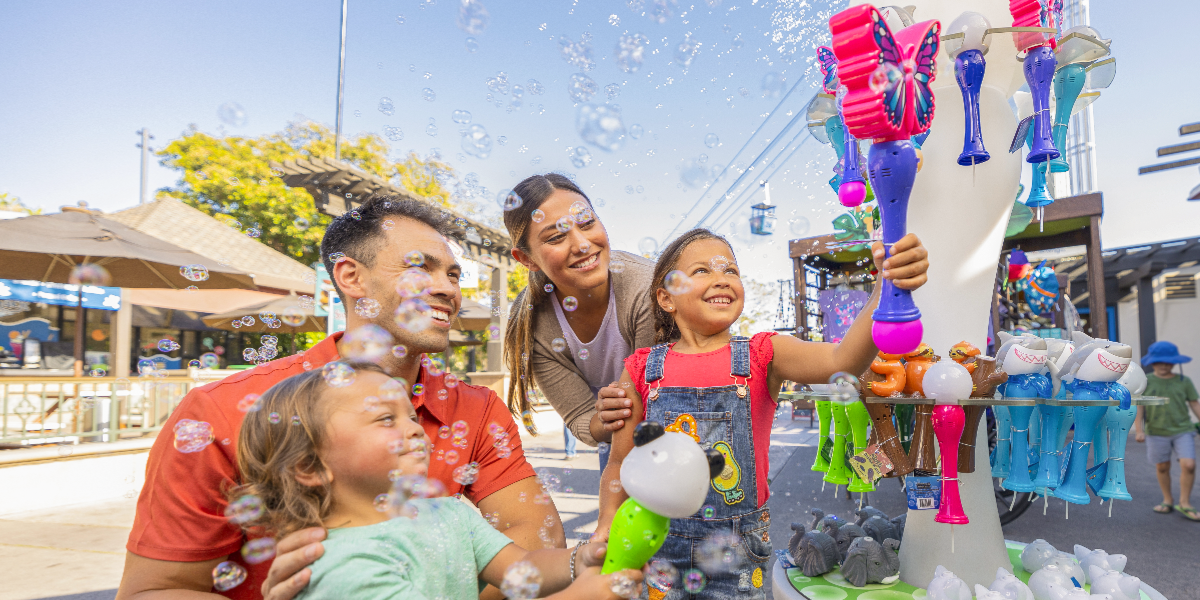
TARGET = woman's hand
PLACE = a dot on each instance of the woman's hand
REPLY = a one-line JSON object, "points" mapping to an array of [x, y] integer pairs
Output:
{"points": [[592, 554], [289, 572], [613, 407], [591, 584], [906, 264]]}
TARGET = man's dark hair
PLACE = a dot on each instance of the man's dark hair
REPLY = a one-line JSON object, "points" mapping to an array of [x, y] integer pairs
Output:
{"points": [[357, 234]]}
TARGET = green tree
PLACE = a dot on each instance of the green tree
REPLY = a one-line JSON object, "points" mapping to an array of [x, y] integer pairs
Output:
{"points": [[231, 179], [11, 203]]}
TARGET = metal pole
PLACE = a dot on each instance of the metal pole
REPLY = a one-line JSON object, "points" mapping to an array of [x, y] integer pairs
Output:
{"points": [[145, 146], [337, 135]]}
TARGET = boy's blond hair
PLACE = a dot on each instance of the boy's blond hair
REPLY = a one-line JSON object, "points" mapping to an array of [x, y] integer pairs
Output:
{"points": [[280, 439]]}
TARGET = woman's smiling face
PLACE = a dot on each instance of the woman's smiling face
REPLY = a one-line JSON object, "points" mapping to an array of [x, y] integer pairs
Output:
{"points": [[570, 243]]}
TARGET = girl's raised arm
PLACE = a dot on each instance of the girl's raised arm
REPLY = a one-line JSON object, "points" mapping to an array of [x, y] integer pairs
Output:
{"points": [[622, 443]]}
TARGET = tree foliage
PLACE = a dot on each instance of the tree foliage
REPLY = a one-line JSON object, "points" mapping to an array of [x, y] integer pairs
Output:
{"points": [[11, 203], [231, 179]]}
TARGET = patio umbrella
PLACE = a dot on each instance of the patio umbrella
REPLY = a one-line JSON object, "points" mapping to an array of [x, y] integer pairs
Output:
{"points": [[472, 316], [48, 247]]}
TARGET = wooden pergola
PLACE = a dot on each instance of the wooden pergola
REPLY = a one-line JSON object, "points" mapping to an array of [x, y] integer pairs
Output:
{"points": [[1136, 267], [1068, 222], [338, 187]]}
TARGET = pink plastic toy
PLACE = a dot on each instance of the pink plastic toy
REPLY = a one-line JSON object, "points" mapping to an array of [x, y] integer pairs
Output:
{"points": [[948, 422]]}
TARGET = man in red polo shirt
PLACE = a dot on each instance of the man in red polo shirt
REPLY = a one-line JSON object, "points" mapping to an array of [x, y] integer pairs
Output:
{"points": [[181, 533]]}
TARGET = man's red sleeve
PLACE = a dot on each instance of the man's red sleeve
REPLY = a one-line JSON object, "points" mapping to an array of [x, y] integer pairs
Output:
{"points": [[495, 472]]}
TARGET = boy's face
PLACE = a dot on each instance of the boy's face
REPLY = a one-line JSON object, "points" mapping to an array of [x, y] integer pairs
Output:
{"points": [[716, 297], [372, 430], [1162, 369]]}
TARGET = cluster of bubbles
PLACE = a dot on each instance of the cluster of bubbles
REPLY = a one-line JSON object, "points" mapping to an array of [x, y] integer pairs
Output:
{"points": [[472, 17], [577, 54], [192, 436], [366, 343], [466, 474], [476, 141], [522, 581], [167, 345], [686, 51], [411, 487], [268, 351], [392, 133], [195, 272], [509, 200], [367, 308], [581, 88], [500, 441]]}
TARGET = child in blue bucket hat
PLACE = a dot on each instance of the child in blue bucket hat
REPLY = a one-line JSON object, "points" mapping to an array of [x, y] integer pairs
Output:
{"points": [[1168, 427]]}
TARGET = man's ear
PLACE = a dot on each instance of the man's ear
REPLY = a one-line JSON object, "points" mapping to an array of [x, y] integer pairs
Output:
{"points": [[522, 257], [312, 473], [664, 299], [350, 277]]}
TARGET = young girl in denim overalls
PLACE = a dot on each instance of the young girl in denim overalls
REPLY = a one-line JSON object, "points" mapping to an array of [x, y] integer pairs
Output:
{"points": [[720, 390]]}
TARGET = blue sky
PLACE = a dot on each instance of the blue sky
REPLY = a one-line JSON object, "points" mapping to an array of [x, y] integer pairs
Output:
{"points": [[81, 77]]}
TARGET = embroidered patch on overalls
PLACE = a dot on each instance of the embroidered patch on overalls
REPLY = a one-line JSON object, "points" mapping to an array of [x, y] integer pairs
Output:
{"points": [[686, 423], [727, 482]]}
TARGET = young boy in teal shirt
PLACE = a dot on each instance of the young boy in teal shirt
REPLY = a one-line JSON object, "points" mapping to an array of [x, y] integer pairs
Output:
{"points": [[1168, 428]]}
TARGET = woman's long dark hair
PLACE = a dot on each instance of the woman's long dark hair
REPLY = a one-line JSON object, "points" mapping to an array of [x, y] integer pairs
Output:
{"points": [[665, 329], [518, 340]]}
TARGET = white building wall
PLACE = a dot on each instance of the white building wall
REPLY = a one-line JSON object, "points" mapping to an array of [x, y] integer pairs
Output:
{"points": [[1177, 321]]}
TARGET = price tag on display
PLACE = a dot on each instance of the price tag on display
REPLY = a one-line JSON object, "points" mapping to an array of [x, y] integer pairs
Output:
{"points": [[924, 492]]}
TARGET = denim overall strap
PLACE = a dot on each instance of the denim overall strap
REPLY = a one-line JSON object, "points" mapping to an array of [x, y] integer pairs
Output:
{"points": [[717, 418]]}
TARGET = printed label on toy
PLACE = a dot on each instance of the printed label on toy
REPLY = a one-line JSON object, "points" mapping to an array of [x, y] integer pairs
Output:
{"points": [[868, 465], [924, 493], [826, 450], [1019, 136]]}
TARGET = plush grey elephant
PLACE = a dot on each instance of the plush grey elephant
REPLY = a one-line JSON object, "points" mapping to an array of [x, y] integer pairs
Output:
{"points": [[814, 552], [868, 561], [880, 528], [867, 512]]}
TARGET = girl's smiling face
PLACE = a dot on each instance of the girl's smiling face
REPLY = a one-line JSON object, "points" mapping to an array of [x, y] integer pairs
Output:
{"points": [[709, 297]]}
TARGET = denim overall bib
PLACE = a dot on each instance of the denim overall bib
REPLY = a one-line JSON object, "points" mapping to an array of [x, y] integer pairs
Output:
{"points": [[718, 418]]}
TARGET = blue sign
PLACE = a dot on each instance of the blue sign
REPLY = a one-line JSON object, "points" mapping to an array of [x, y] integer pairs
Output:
{"points": [[61, 294]]}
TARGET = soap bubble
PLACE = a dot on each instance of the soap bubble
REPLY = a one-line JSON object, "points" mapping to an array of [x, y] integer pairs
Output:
{"points": [[477, 142], [167, 345], [522, 581], [431, 129], [462, 116], [428, 94], [661, 575], [558, 344], [772, 85], [228, 575], [798, 226], [89, 275], [192, 436], [648, 245], [612, 90], [550, 482], [259, 550], [622, 586], [570, 303], [601, 126], [549, 287], [686, 51], [232, 114], [581, 157], [694, 581], [368, 343], [718, 552], [580, 213], [413, 283], [472, 17], [450, 380], [208, 360], [466, 474], [367, 308], [636, 131], [563, 224], [537, 216], [676, 283], [418, 389], [194, 272], [509, 200], [630, 52], [413, 315], [581, 87], [692, 174], [616, 266], [292, 316], [394, 134], [844, 385], [338, 374], [386, 106], [472, 45], [712, 141], [577, 54], [273, 418], [583, 354]]}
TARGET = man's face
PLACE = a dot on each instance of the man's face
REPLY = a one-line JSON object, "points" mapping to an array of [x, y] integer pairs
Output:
{"points": [[411, 249]]}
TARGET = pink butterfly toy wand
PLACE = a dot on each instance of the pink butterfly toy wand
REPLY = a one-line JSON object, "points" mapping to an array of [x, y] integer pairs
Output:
{"points": [[888, 99]]}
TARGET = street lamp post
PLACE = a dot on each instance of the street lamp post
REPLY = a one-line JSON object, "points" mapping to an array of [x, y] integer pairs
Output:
{"points": [[145, 146], [337, 134]]}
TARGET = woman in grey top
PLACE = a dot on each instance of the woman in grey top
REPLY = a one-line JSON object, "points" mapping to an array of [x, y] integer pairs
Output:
{"points": [[586, 308]]}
